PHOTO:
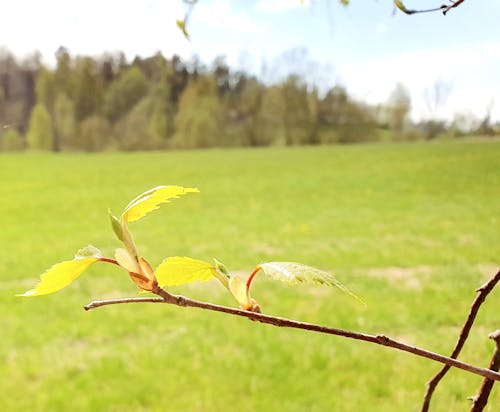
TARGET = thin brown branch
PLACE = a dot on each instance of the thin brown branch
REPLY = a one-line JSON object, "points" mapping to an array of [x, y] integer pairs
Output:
{"points": [[166, 297], [483, 291], [443, 8], [451, 6], [481, 399]]}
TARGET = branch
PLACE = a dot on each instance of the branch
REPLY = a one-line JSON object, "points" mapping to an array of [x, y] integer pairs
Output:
{"points": [[483, 291], [443, 8], [481, 399], [166, 297]]}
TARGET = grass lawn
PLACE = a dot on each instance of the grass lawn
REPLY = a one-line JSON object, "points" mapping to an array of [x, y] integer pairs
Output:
{"points": [[412, 228]]}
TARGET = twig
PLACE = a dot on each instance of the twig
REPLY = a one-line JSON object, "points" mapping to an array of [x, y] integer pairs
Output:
{"points": [[166, 297], [451, 6], [443, 8], [483, 291], [481, 399]]}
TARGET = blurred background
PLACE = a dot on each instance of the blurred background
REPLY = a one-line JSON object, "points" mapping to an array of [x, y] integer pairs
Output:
{"points": [[121, 75], [99, 99]]}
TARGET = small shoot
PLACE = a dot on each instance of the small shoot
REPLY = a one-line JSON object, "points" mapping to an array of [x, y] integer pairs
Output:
{"points": [[63, 274], [181, 270], [239, 290]]}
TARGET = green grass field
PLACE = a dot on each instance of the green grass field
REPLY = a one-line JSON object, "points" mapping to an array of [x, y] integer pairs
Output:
{"points": [[412, 228]]}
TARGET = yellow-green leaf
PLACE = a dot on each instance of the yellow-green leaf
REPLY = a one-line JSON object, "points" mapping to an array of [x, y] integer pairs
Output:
{"points": [[399, 4], [60, 275], [126, 261], [150, 200], [180, 270], [181, 24], [294, 273], [239, 291]]}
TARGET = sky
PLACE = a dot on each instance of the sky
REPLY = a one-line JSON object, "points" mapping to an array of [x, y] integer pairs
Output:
{"points": [[366, 47]]}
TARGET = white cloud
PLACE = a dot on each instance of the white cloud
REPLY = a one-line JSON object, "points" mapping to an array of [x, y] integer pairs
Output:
{"points": [[281, 5], [92, 27], [470, 69]]}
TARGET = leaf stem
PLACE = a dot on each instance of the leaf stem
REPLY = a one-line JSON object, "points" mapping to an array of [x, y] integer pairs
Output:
{"points": [[108, 260], [251, 276]]}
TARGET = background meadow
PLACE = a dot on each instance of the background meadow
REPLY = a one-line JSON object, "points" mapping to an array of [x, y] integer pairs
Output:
{"points": [[412, 228]]}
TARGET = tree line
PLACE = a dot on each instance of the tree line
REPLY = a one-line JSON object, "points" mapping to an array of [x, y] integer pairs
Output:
{"points": [[107, 103]]}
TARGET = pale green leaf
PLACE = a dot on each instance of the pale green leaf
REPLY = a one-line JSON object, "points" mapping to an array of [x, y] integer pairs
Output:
{"points": [[150, 200], [60, 275], [180, 270], [116, 225], [294, 273], [88, 252]]}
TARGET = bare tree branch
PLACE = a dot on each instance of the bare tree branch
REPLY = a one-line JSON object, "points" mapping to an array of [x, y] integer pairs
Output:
{"points": [[483, 291], [444, 8], [166, 297], [481, 399]]}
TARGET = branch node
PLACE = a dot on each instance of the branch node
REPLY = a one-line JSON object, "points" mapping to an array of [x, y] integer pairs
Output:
{"points": [[495, 336]]}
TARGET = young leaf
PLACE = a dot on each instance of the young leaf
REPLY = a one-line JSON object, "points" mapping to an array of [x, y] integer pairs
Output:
{"points": [[181, 24], [150, 200], [88, 252], [180, 270], [221, 273], [60, 275], [146, 279], [116, 225], [239, 290], [294, 273], [399, 4], [126, 261]]}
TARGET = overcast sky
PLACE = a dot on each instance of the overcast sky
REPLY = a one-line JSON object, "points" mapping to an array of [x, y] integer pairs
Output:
{"points": [[364, 47]]}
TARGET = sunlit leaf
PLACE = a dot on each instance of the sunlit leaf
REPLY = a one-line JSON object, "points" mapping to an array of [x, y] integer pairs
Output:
{"points": [[60, 275], [182, 26], [294, 273], [150, 200], [180, 270]]}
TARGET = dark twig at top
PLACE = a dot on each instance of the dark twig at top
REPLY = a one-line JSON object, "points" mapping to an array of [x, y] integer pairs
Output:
{"points": [[444, 8]]}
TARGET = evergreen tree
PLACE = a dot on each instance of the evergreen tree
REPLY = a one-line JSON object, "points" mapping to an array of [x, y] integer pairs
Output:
{"points": [[94, 134], [39, 136], [124, 93], [64, 120], [197, 121]]}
